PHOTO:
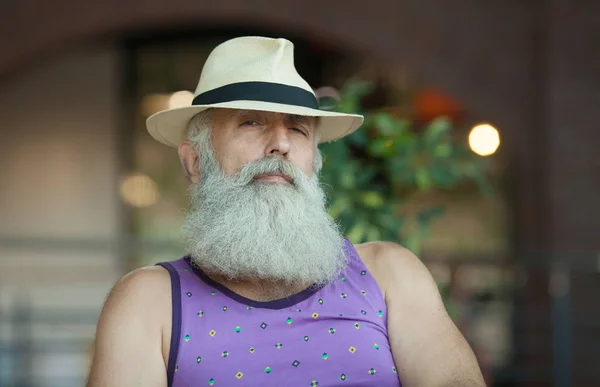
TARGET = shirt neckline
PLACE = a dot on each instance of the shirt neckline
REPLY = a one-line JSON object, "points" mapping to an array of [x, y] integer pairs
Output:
{"points": [[281, 303]]}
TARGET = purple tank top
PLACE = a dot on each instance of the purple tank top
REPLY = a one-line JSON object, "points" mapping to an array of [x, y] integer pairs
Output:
{"points": [[333, 336]]}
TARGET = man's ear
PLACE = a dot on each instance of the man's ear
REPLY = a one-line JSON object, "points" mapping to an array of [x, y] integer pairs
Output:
{"points": [[190, 161]]}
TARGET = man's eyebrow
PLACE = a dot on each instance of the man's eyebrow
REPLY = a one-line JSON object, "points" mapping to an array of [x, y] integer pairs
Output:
{"points": [[303, 120]]}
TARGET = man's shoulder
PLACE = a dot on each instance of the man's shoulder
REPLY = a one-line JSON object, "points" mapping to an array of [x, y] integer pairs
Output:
{"points": [[144, 280], [392, 264], [133, 328], [382, 255], [139, 289]]}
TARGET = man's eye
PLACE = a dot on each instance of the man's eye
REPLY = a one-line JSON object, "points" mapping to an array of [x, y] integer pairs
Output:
{"points": [[250, 123], [302, 132]]}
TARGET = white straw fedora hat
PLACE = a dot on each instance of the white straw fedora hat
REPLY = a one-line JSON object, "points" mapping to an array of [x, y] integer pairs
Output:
{"points": [[253, 73]]}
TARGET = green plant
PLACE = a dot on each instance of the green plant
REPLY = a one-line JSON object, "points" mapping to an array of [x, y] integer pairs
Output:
{"points": [[389, 161]]}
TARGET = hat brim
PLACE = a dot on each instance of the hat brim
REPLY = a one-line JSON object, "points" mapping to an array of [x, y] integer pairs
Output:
{"points": [[170, 126]]}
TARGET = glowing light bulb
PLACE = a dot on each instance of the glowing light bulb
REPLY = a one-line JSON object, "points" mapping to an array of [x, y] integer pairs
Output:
{"points": [[139, 190], [484, 139]]}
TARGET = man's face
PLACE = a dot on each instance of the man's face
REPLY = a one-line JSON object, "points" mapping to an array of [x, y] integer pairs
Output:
{"points": [[243, 136], [246, 221]]}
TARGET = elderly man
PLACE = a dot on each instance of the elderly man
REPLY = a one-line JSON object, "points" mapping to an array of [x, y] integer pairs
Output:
{"points": [[270, 293]]}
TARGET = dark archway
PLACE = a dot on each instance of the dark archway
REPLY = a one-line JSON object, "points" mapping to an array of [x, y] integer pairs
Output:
{"points": [[440, 42]]}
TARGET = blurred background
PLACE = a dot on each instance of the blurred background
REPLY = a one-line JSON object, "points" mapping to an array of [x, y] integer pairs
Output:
{"points": [[479, 153]]}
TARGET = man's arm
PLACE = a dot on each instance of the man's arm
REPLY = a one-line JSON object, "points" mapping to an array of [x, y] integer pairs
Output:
{"points": [[428, 349], [129, 350]]}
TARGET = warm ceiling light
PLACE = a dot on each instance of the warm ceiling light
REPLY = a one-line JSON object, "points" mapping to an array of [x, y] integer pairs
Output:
{"points": [[139, 190], [484, 139]]}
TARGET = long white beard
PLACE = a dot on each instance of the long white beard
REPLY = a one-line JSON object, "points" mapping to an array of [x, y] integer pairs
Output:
{"points": [[259, 231]]}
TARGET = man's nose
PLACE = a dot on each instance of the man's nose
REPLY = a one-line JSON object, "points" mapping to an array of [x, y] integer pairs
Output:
{"points": [[279, 143]]}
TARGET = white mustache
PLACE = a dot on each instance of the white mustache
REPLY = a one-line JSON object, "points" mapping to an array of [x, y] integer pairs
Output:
{"points": [[267, 165]]}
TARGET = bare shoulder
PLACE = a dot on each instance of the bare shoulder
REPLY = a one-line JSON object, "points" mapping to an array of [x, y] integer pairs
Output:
{"points": [[144, 292], [133, 328], [143, 282], [420, 331], [393, 265], [138, 289]]}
